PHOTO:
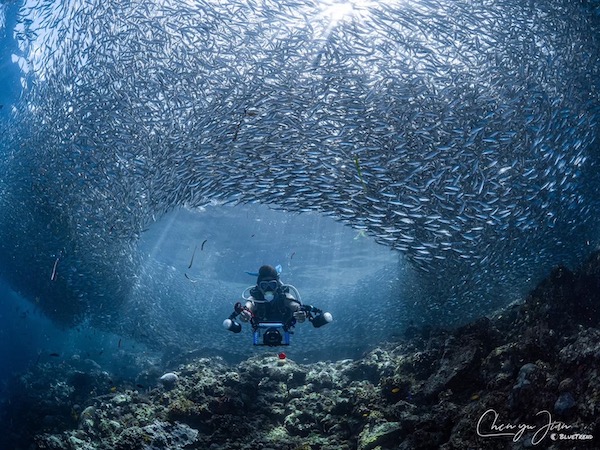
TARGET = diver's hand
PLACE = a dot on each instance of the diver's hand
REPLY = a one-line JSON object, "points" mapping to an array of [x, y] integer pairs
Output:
{"points": [[300, 316], [245, 315]]}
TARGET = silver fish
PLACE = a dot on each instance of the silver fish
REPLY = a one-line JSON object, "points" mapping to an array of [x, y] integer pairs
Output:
{"points": [[472, 124]]}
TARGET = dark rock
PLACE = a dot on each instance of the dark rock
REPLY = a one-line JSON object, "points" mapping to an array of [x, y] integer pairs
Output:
{"points": [[458, 368], [530, 381], [421, 364], [564, 404], [583, 350], [500, 366], [566, 385], [383, 434]]}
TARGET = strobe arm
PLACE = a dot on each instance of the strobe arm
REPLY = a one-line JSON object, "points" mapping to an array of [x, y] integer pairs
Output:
{"points": [[316, 316]]}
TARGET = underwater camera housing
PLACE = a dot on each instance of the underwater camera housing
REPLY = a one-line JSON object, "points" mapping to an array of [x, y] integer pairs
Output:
{"points": [[274, 334]]}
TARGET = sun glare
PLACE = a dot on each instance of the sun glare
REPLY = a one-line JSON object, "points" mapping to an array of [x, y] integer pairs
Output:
{"points": [[332, 12], [338, 11]]}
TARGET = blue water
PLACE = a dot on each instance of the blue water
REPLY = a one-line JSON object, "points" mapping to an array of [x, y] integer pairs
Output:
{"points": [[10, 84], [127, 302], [27, 336]]}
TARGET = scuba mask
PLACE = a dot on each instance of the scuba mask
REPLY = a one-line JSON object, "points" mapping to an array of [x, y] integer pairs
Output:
{"points": [[268, 289]]}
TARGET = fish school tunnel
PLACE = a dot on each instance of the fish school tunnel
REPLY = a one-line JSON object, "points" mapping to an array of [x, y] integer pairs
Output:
{"points": [[405, 162]]}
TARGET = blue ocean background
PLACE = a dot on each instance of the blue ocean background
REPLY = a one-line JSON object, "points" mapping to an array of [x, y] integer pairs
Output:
{"points": [[129, 246], [318, 256]]}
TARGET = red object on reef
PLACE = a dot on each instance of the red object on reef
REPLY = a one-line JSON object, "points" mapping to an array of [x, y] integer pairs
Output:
{"points": [[281, 355]]}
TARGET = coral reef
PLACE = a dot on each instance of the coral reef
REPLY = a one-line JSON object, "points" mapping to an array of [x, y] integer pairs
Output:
{"points": [[528, 375]]}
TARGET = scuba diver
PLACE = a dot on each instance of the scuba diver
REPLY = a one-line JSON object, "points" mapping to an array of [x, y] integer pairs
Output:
{"points": [[272, 307]]}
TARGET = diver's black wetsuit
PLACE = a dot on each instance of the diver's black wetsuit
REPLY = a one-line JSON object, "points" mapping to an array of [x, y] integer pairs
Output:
{"points": [[277, 310]]}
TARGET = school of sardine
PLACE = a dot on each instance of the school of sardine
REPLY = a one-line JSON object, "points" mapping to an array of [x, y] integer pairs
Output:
{"points": [[461, 133]]}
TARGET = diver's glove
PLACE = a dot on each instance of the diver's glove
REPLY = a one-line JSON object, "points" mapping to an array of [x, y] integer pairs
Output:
{"points": [[245, 315], [300, 316], [240, 310]]}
